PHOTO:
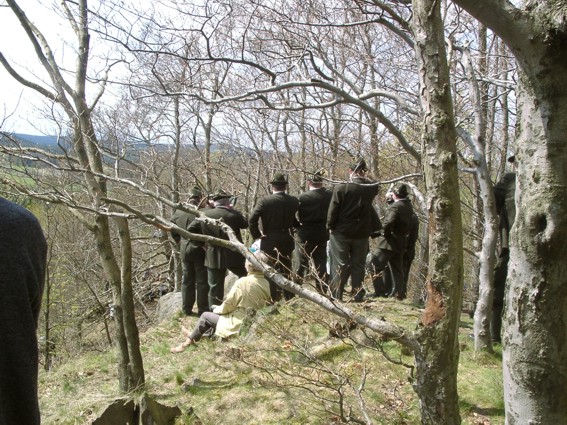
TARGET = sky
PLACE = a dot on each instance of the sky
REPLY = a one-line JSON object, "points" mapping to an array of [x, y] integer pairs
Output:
{"points": [[18, 105]]}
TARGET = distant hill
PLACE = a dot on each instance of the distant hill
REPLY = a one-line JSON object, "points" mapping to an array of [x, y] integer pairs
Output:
{"points": [[34, 140]]}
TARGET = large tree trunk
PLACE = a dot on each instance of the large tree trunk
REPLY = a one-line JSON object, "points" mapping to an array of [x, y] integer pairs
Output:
{"points": [[437, 361], [535, 333]]}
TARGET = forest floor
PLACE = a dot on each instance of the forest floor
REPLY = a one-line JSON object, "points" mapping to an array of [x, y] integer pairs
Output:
{"points": [[286, 369]]}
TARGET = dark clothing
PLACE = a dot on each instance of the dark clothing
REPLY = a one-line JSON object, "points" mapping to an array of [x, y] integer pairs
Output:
{"points": [[351, 219], [312, 235], [411, 241], [351, 211], [23, 253], [194, 284], [277, 213], [205, 326], [219, 259], [504, 196], [390, 249]]}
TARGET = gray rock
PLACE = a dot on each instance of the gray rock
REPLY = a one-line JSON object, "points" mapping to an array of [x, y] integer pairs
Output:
{"points": [[120, 411], [168, 306]]}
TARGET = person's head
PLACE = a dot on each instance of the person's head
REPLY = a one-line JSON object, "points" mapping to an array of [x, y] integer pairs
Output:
{"points": [[400, 190], [279, 182], [222, 198], [390, 197], [251, 268], [358, 167], [512, 161], [315, 180], [195, 195]]}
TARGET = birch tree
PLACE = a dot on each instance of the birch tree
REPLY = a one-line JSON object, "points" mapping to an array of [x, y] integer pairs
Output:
{"points": [[534, 351]]}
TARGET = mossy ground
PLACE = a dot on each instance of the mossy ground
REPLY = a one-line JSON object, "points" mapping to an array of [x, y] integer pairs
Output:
{"points": [[286, 370]]}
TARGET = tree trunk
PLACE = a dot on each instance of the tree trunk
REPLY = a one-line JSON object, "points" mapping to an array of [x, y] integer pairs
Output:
{"points": [[535, 332], [437, 361]]}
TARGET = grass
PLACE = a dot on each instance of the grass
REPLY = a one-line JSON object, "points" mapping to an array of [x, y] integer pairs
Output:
{"points": [[286, 370]]}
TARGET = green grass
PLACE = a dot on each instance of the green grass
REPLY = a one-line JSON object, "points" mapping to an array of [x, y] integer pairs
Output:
{"points": [[271, 376]]}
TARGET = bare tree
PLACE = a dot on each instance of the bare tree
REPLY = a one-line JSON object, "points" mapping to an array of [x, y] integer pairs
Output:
{"points": [[72, 99]]}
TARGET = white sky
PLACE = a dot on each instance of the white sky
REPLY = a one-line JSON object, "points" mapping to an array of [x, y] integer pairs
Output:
{"points": [[18, 105]]}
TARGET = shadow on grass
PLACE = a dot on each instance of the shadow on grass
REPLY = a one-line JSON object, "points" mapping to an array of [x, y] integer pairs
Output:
{"points": [[493, 412]]}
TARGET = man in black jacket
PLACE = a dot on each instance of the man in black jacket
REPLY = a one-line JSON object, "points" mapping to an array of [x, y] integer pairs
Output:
{"points": [[23, 253], [351, 219], [218, 259], [312, 235], [391, 246], [505, 200], [194, 284], [277, 214]]}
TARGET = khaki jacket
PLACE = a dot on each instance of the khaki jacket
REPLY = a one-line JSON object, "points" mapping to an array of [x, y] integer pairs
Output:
{"points": [[252, 291]]}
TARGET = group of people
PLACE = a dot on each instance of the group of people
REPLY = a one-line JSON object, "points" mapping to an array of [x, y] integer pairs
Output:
{"points": [[316, 223]]}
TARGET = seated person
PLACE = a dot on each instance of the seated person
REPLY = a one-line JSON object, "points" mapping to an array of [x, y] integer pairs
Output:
{"points": [[251, 291]]}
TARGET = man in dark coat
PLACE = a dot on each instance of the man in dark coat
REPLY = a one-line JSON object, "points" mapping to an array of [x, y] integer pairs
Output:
{"points": [[411, 241], [351, 219], [23, 254], [504, 197], [391, 246], [277, 214], [312, 235], [194, 284], [218, 259]]}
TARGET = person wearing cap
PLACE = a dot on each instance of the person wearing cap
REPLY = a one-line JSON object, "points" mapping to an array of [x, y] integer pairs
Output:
{"points": [[218, 259], [390, 246], [312, 235], [194, 286], [504, 198], [351, 219], [276, 212]]}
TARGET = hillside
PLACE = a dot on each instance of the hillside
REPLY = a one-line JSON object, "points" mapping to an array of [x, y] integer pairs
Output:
{"points": [[287, 369]]}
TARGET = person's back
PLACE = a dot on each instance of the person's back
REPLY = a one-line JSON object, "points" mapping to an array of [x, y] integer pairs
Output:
{"points": [[277, 215], [351, 210], [23, 252]]}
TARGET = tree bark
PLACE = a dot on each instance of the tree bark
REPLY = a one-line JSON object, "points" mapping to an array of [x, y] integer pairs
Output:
{"points": [[437, 361], [535, 334]]}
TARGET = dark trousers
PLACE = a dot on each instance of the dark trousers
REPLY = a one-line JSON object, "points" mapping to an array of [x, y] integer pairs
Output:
{"points": [[500, 273], [205, 326], [317, 252], [408, 260], [391, 281], [216, 283], [279, 247], [348, 258], [194, 286]]}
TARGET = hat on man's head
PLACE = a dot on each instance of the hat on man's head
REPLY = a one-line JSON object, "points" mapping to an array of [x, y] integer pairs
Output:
{"points": [[221, 194], [401, 190], [196, 192], [359, 165], [279, 178], [512, 159], [317, 176]]}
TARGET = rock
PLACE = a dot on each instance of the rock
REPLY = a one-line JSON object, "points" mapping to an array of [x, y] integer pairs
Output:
{"points": [[145, 411], [154, 413], [168, 306], [120, 411], [229, 281]]}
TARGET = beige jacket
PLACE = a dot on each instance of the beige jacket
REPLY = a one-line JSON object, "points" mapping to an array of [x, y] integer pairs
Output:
{"points": [[252, 291]]}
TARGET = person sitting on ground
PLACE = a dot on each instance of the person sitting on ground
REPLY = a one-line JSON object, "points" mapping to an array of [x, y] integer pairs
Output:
{"points": [[251, 291]]}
